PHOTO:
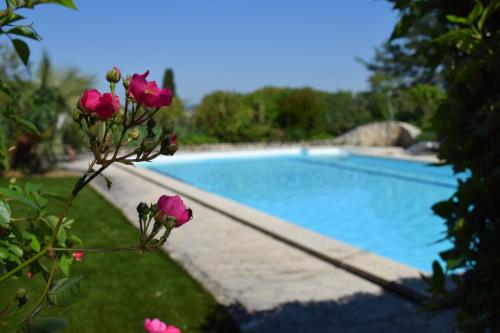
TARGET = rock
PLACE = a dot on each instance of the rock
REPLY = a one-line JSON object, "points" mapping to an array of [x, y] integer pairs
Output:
{"points": [[382, 133]]}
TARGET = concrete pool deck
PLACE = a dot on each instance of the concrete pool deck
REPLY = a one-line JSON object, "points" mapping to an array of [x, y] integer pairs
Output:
{"points": [[274, 276]]}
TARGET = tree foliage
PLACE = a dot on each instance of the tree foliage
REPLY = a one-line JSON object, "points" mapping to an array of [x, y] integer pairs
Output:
{"points": [[459, 41]]}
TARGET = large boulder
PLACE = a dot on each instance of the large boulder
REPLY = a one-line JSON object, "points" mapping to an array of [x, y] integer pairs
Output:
{"points": [[381, 133]]}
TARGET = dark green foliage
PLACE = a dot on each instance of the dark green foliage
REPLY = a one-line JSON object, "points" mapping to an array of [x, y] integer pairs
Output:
{"points": [[460, 41]]}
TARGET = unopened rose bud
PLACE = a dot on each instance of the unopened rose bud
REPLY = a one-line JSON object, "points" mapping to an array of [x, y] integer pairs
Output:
{"points": [[134, 133], [142, 208], [148, 145], [126, 81], [21, 297], [169, 150], [114, 75], [20, 293]]}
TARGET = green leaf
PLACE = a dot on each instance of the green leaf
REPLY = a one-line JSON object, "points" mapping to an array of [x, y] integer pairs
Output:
{"points": [[443, 208], [5, 212], [64, 265], [64, 291], [16, 250], [30, 188], [18, 233], [4, 87], [6, 17], [34, 242], [22, 50], [65, 3], [25, 32], [17, 196], [475, 13], [61, 237], [45, 325], [75, 240], [438, 277], [456, 19]]}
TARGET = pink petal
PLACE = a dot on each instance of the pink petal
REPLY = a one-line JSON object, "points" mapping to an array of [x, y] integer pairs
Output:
{"points": [[90, 99]]}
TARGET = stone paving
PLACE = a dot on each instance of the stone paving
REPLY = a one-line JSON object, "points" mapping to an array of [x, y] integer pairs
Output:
{"points": [[267, 285]]}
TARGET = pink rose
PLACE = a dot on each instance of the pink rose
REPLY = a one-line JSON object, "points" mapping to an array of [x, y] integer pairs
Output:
{"points": [[174, 206], [90, 99], [148, 93], [93, 102], [78, 256], [157, 326]]}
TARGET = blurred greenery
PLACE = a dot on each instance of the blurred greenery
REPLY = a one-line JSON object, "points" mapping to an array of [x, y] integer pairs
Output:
{"points": [[296, 114], [119, 289], [45, 100], [456, 43]]}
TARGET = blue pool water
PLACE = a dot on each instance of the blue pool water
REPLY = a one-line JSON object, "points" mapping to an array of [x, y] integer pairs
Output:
{"points": [[380, 205]]}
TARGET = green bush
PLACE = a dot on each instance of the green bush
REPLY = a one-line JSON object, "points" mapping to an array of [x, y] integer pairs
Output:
{"points": [[459, 42]]}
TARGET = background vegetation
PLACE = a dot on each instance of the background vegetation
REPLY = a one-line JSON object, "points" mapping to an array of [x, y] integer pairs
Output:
{"points": [[295, 114]]}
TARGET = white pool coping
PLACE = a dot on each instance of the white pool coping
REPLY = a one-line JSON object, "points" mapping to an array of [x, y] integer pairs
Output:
{"points": [[388, 273], [182, 157]]}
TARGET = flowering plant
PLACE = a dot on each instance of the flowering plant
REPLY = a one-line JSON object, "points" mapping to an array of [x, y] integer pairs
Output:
{"points": [[43, 243]]}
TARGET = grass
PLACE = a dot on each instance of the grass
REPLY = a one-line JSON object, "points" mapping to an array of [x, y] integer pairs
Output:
{"points": [[119, 289]]}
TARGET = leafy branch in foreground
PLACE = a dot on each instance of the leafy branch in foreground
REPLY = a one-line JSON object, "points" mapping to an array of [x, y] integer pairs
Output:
{"points": [[43, 243]]}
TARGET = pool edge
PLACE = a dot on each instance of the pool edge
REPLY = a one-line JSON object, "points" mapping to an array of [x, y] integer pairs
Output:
{"points": [[395, 276]]}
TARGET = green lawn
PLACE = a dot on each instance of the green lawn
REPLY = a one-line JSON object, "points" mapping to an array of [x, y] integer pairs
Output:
{"points": [[120, 289]]}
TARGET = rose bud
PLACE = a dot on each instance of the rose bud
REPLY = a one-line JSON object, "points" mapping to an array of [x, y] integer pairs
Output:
{"points": [[174, 206], [134, 133], [78, 256], [21, 297], [142, 208], [114, 75], [148, 144], [126, 82]]}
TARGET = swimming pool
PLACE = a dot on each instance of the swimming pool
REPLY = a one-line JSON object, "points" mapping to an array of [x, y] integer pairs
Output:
{"points": [[377, 204]]}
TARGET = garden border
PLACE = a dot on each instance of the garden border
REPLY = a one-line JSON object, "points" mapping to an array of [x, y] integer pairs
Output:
{"points": [[385, 272]]}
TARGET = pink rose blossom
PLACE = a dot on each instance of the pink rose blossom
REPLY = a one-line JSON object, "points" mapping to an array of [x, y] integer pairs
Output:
{"points": [[175, 207], [90, 99], [148, 93], [78, 256], [106, 108], [93, 102], [157, 326]]}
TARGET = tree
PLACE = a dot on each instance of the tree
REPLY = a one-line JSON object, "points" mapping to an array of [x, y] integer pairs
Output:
{"points": [[168, 81], [300, 114], [459, 41]]}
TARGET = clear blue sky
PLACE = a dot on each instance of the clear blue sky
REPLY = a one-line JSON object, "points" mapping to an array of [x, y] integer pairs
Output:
{"points": [[237, 45]]}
